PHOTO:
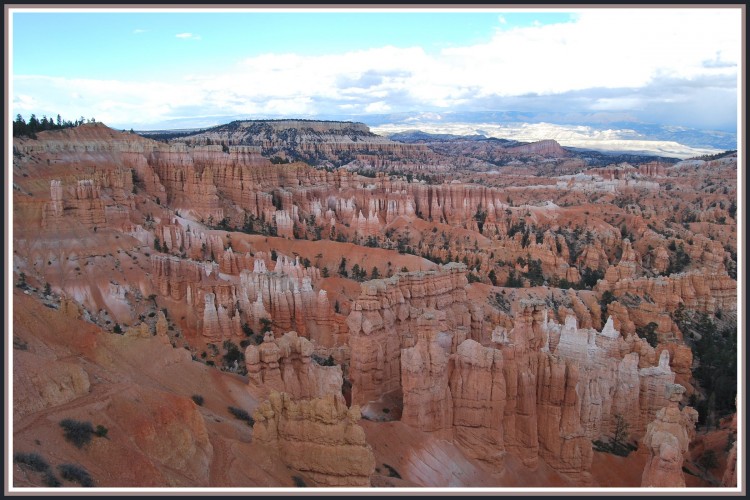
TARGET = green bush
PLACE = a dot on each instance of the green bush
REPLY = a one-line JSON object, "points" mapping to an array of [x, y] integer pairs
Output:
{"points": [[392, 472], [78, 433], [241, 414], [33, 461], [76, 474], [50, 480]]}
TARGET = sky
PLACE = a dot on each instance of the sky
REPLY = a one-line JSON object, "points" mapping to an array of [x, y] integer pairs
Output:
{"points": [[149, 70]]}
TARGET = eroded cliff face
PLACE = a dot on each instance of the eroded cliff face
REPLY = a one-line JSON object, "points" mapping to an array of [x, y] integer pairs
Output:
{"points": [[319, 437]]}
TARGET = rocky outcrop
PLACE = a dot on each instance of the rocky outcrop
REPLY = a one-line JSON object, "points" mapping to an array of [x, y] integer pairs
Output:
{"points": [[319, 437], [286, 365], [667, 439]]}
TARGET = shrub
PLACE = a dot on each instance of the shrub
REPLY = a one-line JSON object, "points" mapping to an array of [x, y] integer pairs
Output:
{"points": [[648, 332], [76, 473], [49, 479], [101, 431], [299, 482], [320, 360], [514, 281], [392, 472], [241, 414], [493, 277], [708, 460], [198, 399], [232, 353], [33, 461], [78, 433]]}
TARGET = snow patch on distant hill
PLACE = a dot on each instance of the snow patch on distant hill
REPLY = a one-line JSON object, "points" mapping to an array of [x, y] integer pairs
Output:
{"points": [[578, 136]]}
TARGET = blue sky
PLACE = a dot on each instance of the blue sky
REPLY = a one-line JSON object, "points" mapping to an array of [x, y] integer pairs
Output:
{"points": [[144, 70], [140, 45]]}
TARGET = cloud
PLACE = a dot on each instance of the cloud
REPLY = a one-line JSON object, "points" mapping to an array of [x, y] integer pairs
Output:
{"points": [[138, 31], [502, 20], [377, 107], [655, 64]]}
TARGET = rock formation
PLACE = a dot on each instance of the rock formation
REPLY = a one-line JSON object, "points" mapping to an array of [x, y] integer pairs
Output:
{"points": [[286, 365], [425, 374], [478, 389], [729, 479], [667, 439], [384, 320], [319, 437], [530, 370]]}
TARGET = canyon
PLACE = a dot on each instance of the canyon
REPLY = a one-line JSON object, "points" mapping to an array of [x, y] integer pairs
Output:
{"points": [[304, 303]]}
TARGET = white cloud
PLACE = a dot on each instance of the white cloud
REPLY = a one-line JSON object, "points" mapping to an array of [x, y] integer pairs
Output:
{"points": [[377, 107], [138, 31], [636, 50], [502, 20]]}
